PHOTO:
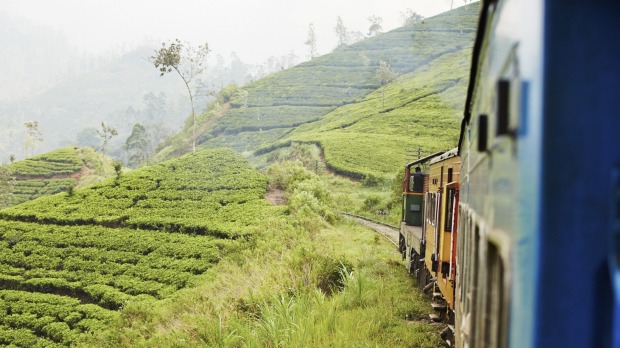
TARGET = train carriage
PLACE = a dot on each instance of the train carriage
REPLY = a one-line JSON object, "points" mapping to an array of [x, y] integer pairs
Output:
{"points": [[540, 154], [440, 224], [531, 247]]}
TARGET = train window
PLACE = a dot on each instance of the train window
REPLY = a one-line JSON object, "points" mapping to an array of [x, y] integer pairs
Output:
{"points": [[472, 283], [494, 298], [449, 174], [503, 107], [431, 208], [449, 209]]}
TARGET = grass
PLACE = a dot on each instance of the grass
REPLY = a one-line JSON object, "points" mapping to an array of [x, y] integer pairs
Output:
{"points": [[293, 286]]}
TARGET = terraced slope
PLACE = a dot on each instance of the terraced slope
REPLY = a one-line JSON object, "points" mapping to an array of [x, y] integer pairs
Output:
{"points": [[69, 261], [373, 138], [305, 94], [46, 174]]}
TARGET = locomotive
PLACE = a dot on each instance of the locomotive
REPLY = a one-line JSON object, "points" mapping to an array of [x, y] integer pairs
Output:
{"points": [[517, 230]]}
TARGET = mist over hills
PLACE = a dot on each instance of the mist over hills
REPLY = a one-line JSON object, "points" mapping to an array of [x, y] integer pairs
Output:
{"points": [[126, 91], [291, 105], [336, 101]]}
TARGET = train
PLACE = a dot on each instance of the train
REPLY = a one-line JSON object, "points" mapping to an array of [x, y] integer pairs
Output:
{"points": [[516, 231]]}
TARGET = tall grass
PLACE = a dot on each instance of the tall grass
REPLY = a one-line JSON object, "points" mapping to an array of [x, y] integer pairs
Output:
{"points": [[338, 286]]}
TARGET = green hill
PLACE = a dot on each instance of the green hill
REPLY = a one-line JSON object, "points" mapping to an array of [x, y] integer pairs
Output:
{"points": [[56, 171], [187, 252], [68, 261], [332, 100]]}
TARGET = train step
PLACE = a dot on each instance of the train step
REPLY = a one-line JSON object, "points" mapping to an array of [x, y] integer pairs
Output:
{"points": [[437, 295], [439, 307], [435, 317]]}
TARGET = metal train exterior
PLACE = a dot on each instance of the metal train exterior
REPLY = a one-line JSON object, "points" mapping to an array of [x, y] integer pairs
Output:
{"points": [[537, 257]]}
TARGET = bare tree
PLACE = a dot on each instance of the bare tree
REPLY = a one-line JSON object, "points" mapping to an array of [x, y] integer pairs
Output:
{"points": [[106, 133], [311, 41], [341, 32], [189, 63], [411, 18], [32, 136], [385, 74]]}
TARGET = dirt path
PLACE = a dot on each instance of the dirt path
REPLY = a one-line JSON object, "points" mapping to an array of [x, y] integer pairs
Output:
{"points": [[275, 196]]}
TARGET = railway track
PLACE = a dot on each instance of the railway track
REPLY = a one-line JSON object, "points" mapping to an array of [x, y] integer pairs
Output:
{"points": [[390, 232]]}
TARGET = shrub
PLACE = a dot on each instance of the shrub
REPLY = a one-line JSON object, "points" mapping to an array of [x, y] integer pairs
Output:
{"points": [[372, 202], [285, 175]]}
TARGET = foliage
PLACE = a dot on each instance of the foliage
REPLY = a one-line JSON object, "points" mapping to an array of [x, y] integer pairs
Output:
{"points": [[319, 100], [341, 32], [341, 286], [189, 63], [61, 161], [385, 75], [70, 253], [106, 133], [375, 25], [311, 41], [33, 135], [56, 171], [213, 192], [137, 145], [7, 182], [421, 112]]}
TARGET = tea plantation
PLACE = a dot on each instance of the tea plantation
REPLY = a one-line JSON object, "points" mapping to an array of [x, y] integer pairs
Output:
{"points": [[69, 261], [45, 174], [336, 101], [56, 171]]}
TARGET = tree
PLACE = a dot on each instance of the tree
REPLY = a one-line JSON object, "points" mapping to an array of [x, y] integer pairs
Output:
{"points": [[137, 145], [32, 136], [242, 95], [341, 32], [411, 18], [311, 41], [375, 25], [189, 63], [385, 74], [155, 106], [87, 137], [7, 181], [106, 133]]}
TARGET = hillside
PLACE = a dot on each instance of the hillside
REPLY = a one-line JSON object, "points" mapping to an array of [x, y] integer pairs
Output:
{"points": [[69, 261], [332, 100], [57, 171]]}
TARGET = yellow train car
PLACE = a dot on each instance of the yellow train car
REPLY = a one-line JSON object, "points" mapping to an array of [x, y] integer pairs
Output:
{"points": [[440, 234], [411, 241]]}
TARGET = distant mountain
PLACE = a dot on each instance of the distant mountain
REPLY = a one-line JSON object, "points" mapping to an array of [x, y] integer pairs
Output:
{"points": [[121, 93]]}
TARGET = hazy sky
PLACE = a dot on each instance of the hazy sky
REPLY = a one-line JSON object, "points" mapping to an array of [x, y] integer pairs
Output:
{"points": [[254, 29]]}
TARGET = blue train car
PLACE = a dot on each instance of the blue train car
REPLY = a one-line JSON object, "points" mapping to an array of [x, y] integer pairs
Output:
{"points": [[539, 215]]}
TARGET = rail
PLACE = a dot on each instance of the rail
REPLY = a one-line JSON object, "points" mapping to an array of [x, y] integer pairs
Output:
{"points": [[390, 232]]}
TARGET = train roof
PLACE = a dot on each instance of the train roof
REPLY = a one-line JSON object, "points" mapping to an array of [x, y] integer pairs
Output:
{"points": [[448, 154], [475, 63], [424, 159]]}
